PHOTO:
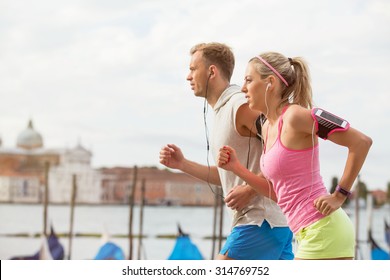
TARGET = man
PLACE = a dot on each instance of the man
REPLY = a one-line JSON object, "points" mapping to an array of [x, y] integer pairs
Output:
{"points": [[259, 229]]}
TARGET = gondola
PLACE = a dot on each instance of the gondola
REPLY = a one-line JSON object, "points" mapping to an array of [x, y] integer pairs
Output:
{"points": [[51, 249], [377, 253], [184, 249]]}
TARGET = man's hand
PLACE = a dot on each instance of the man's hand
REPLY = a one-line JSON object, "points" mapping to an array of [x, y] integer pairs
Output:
{"points": [[171, 156], [239, 197]]}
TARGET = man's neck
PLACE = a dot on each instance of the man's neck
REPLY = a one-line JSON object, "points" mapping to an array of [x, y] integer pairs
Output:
{"points": [[216, 93]]}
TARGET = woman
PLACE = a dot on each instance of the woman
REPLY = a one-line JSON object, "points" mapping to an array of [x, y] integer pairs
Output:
{"points": [[280, 88]]}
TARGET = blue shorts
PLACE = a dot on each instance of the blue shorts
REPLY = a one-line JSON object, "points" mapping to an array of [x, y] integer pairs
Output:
{"points": [[252, 242]]}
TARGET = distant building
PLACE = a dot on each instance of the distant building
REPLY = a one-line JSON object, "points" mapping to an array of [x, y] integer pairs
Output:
{"points": [[22, 171], [24, 189], [379, 196], [76, 161], [161, 187]]}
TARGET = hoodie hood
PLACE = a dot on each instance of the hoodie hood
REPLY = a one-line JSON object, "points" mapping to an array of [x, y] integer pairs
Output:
{"points": [[226, 95]]}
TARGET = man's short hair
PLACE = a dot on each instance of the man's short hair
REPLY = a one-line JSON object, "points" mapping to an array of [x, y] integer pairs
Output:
{"points": [[217, 54]]}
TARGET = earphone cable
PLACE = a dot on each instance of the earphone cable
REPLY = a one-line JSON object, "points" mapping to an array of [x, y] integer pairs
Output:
{"points": [[205, 112]]}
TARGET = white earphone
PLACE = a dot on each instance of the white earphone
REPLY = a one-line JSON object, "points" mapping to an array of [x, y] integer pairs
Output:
{"points": [[268, 85]]}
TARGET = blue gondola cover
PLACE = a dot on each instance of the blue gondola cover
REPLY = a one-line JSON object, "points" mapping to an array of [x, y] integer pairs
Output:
{"points": [[185, 250], [377, 253], [110, 251]]}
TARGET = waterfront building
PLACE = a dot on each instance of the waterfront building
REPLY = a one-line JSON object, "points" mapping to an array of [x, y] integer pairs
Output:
{"points": [[162, 187], [24, 168]]}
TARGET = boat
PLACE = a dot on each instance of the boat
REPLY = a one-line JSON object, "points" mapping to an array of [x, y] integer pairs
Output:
{"points": [[377, 253], [387, 234], [184, 249], [51, 249], [109, 250]]}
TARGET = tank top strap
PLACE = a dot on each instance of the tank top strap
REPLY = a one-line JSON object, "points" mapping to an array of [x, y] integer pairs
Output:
{"points": [[281, 120]]}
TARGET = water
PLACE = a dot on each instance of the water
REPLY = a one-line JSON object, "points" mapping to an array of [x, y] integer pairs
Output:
{"points": [[197, 221]]}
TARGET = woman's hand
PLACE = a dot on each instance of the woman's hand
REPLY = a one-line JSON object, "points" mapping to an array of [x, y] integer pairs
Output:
{"points": [[227, 158], [329, 203]]}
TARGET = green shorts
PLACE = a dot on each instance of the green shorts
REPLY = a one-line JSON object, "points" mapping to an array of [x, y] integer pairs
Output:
{"points": [[331, 237]]}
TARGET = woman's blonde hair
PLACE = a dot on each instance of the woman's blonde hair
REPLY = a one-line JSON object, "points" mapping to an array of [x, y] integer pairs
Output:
{"points": [[295, 72]]}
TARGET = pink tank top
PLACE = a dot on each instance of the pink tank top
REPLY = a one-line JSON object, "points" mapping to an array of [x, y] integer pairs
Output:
{"points": [[296, 179]]}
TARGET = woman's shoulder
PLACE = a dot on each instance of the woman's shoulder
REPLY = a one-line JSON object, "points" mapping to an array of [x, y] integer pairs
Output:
{"points": [[297, 115], [295, 110]]}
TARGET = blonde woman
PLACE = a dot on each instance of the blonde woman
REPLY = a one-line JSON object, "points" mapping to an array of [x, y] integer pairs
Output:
{"points": [[280, 88]]}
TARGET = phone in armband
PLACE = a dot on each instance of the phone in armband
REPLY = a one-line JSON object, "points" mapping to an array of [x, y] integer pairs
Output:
{"points": [[327, 123]]}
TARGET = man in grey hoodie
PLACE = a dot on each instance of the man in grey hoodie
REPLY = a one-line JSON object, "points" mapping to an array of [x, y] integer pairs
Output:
{"points": [[259, 228]]}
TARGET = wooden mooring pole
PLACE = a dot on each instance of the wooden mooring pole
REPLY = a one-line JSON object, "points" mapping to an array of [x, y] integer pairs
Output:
{"points": [[72, 203], [357, 218], [131, 206], [45, 198], [141, 218], [221, 206], [215, 217]]}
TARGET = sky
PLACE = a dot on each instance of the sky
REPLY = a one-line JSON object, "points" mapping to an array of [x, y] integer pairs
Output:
{"points": [[111, 75]]}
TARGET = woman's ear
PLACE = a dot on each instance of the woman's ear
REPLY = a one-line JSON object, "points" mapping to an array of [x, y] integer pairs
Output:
{"points": [[271, 80]]}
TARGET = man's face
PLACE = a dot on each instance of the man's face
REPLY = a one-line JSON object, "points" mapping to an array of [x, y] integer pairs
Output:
{"points": [[198, 74]]}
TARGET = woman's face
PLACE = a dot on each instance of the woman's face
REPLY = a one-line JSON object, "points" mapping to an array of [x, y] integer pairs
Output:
{"points": [[254, 88]]}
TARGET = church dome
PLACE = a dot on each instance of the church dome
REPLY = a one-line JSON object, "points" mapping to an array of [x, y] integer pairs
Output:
{"points": [[29, 138]]}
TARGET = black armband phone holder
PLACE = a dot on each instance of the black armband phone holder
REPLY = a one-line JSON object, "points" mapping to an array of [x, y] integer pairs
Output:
{"points": [[327, 123]]}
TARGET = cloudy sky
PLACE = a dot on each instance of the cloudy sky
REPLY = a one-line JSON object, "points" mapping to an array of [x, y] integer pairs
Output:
{"points": [[111, 74]]}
